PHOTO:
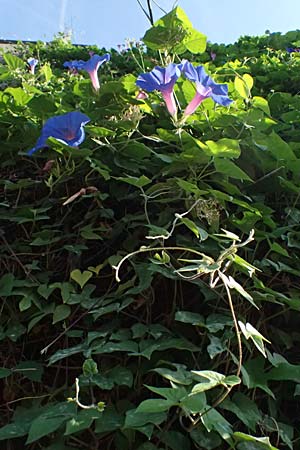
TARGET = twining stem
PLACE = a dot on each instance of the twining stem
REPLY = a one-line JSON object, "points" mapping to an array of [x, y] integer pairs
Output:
{"points": [[236, 326], [81, 405], [151, 249]]}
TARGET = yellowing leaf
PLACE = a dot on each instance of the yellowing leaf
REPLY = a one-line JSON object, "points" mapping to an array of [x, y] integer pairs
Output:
{"points": [[81, 278], [243, 85]]}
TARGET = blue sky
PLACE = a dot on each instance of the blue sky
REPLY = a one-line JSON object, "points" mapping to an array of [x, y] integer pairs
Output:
{"points": [[108, 23]]}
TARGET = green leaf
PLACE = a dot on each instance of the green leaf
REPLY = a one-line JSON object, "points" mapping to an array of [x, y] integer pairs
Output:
{"points": [[15, 330], [99, 380], [217, 322], [162, 258], [61, 312], [150, 346], [157, 231], [136, 150], [250, 332], [189, 187], [148, 446], [6, 284], [230, 169], [175, 32], [232, 284], [111, 347], [21, 98], [110, 420], [25, 303], [45, 290], [13, 61], [285, 372], [215, 379], [190, 317], [4, 372], [155, 406], [261, 103], [33, 370], [121, 376], [225, 148], [190, 225], [13, 430], [81, 278], [255, 376], [194, 404], [175, 440], [180, 375], [204, 439], [89, 367], [65, 353], [215, 347], [47, 72], [82, 421], [263, 442], [245, 409], [213, 420], [52, 417], [195, 42], [277, 147], [134, 181], [232, 380], [243, 85], [43, 426], [174, 394], [209, 375], [136, 419]]}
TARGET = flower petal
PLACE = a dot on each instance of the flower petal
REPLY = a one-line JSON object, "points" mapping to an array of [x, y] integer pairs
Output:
{"points": [[160, 78], [205, 86], [95, 62], [67, 128]]}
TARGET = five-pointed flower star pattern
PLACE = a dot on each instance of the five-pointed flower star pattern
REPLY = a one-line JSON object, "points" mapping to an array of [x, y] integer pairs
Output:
{"points": [[205, 87], [161, 79], [91, 67], [32, 64], [66, 128]]}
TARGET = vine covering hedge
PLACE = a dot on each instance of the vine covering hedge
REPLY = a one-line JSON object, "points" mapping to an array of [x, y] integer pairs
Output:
{"points": [[150, 269]]}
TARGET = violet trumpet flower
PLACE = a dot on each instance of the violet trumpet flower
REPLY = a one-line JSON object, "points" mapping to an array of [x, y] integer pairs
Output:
{"points": [[161, 79], [32, 64], [91, 67], [205, 88], [76, 64], [66, 128], [293, 50]]}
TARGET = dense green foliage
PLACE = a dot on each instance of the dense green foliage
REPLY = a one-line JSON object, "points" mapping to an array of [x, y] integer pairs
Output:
{"points": [[138, 309]]}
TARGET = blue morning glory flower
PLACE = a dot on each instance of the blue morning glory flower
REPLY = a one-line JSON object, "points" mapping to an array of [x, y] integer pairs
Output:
{"points": [[32, 64], [74, 65], [293, 50], [91, 66], [205, 87], [67, 128], [162, 79]]}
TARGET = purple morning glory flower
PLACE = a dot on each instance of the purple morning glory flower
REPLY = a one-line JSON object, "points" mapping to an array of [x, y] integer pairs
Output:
{"points": [[32, 64], [91, 66], [293, 50], [205, 87], [67, 128], [161, 79], [76, 64]]}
